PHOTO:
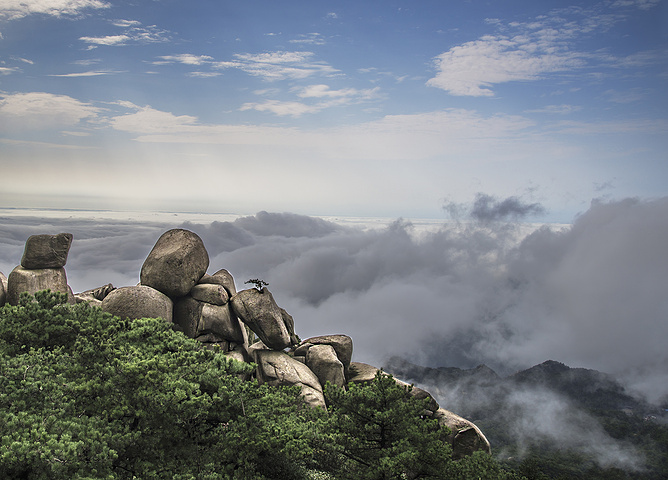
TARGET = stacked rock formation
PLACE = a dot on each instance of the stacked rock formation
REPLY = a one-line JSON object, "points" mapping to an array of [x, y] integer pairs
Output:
{"points": [[42, 267], [174, 286]]}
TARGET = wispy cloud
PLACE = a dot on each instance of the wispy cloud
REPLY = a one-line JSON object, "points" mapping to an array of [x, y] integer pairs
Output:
{"points": [[184, 58], [309, 39], [279, 65], [474, 67], [135, 33], [38, 110], [557, 109], [9, 70], [92, 73], [328, 98], [282, 109], [529, 51], [14, 9], [107, 40]]}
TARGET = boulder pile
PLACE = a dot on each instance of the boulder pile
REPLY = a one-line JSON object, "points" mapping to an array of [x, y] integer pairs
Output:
{"points": [[174, 286]]}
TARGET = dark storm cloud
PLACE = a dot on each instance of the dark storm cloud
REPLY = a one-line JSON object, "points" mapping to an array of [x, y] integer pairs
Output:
{"points": [[487, 208]]}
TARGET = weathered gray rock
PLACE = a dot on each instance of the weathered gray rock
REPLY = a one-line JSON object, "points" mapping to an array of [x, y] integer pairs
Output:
{"points": [[342, 344], [139, 301], [34, 280], [361, 372], [221, 277], [290, 326], [210, 293], [254, 348], [94, 296], [278, 368], [46, 251], [323, 361], [258, 310], [3, 289], [207, 322], [466, 437], [176, 263]]}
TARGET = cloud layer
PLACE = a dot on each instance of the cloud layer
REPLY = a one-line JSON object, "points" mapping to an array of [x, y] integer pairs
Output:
{"points": [[591, 295]]}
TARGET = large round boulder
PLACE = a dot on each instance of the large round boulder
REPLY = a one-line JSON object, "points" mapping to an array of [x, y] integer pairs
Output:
{"points": [[34, 280], [46, 251], [176, 263], [278, 368], [138, 302], [258, 309]]}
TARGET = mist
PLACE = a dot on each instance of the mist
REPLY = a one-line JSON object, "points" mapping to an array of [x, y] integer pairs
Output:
{"points": [[485, 287]]}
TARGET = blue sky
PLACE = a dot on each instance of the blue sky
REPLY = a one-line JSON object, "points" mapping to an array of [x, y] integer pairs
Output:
{"points": [[373, 108]]}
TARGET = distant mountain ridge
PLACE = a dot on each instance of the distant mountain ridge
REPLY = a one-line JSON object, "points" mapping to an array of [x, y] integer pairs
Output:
{"points": [[586, 388]]}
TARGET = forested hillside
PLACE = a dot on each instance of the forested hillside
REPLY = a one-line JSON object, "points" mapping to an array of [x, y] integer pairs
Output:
{"points": [[84, 394]]}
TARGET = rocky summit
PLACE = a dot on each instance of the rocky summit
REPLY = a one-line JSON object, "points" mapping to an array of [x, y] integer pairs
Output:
{"points": [[175, 286]]}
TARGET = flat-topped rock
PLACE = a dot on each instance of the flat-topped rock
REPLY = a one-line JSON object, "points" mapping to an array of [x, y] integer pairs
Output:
{"points": [[22, 280]]}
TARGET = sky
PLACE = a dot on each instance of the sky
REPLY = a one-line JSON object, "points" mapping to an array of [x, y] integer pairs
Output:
{"points": [[374, 108]]}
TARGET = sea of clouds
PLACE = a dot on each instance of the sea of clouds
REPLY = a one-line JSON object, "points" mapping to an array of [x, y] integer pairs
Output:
{"points": [[482, 287]]}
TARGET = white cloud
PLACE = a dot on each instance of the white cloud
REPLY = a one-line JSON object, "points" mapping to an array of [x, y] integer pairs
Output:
{"points": [[472, 68], [557, 109], [108, 40], [126, 23], [282, 109], [279, 65], [150, 121], [641, 4], [92, 73], [37, 110], [9, 70], [135, 33], [186, 59], [204, 74], [14, 9], [309, 39], [323, 91], [331, 98]]}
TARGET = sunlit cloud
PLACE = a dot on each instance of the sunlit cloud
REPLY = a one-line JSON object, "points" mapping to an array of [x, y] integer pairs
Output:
{"points": [[14, 9], [38, 110]]}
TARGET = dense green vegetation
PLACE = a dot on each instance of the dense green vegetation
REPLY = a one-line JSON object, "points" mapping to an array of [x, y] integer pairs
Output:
{"points": [[84, 394]]}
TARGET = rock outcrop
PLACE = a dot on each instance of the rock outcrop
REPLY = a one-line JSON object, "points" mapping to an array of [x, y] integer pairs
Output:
{"points": [[278, 368], [42, 267], [258, 309], [174, 286]]}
